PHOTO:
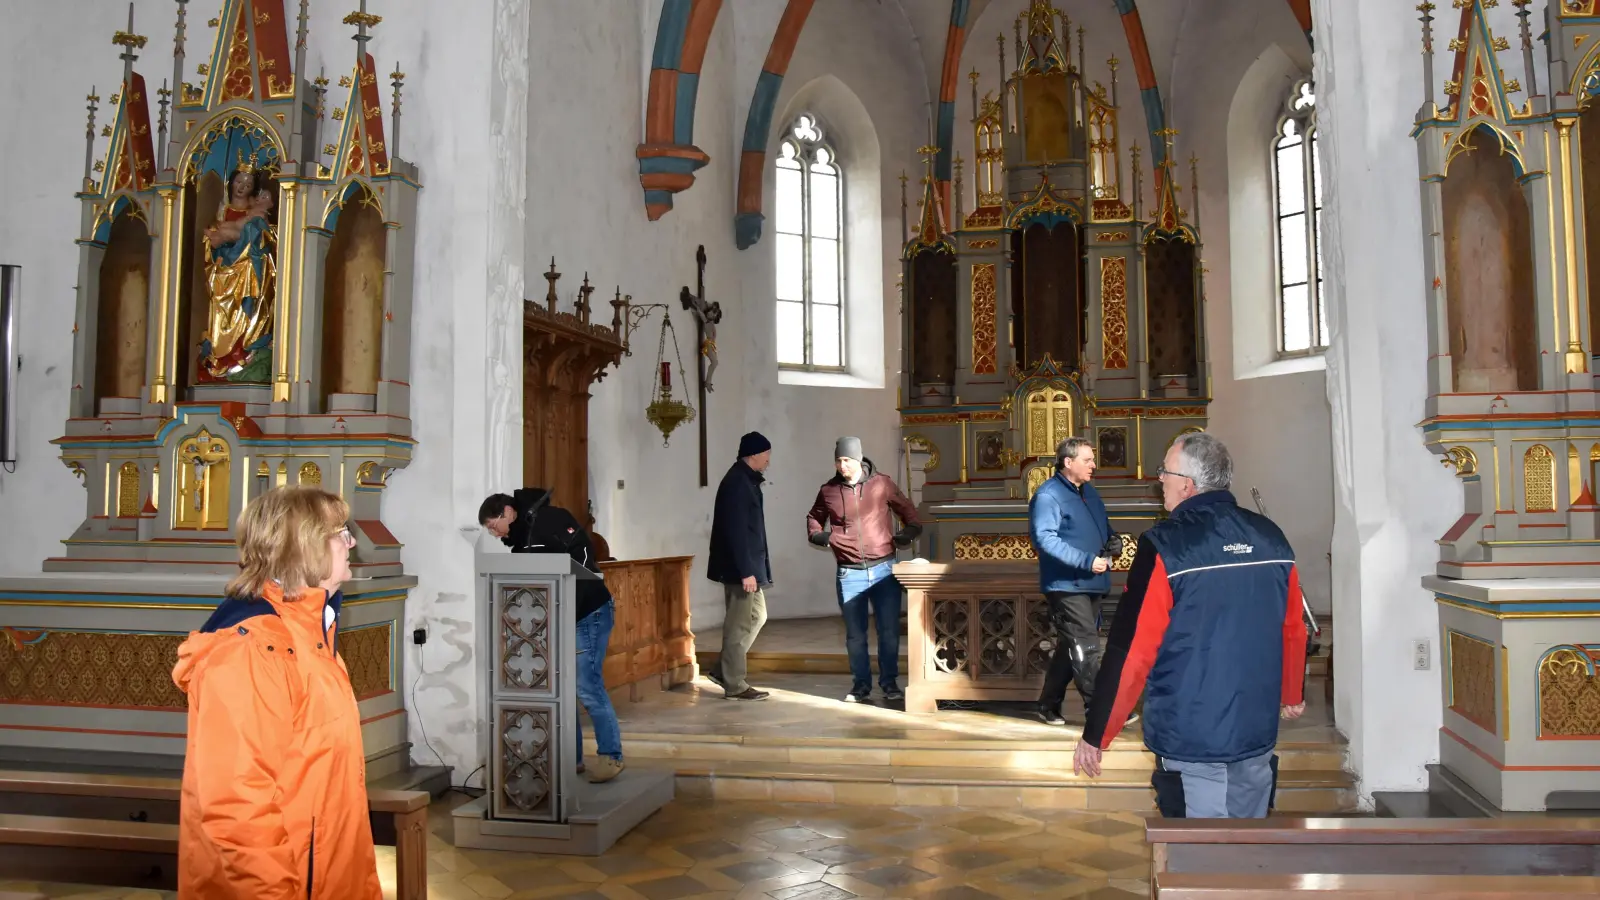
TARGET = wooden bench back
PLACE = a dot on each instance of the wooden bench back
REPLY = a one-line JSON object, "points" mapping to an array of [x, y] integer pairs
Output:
{"points": [[1201, 886], [1475, 847]]}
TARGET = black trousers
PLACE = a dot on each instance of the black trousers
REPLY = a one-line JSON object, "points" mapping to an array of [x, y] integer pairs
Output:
{"points": [[1076, 655]]}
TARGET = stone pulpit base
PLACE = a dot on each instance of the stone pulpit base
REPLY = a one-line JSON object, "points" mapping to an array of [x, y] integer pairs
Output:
{"points": [[527, 687], [1520, 689]]}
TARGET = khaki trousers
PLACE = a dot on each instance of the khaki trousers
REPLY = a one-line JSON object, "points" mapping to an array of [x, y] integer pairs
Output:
{"points": [[746, 613]]}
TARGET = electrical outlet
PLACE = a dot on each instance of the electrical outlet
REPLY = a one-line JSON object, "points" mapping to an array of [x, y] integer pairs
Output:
{"points": [[619, 484], [1420, 655]]}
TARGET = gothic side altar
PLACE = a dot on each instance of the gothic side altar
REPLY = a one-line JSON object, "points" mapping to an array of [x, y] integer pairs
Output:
{"points": [[243, 322], [1058, 307], [1512, 405]]}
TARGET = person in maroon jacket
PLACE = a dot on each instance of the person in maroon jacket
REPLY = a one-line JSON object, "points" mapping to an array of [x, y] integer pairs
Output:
{"points": [[854, 516]]}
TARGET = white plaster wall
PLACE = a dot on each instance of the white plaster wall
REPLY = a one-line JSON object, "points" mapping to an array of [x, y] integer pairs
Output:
{"points": [[1274, 419], [41, 166], [1392, 499]]}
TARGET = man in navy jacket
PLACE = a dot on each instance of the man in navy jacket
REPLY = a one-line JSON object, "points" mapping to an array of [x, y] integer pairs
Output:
{"points": [[1211, 620], [1068, 524], [739, 561]]}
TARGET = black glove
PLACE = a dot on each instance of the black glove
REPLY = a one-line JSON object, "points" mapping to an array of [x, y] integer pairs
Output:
{"points": [[903, 538], [819, 538], [1113, 547]]}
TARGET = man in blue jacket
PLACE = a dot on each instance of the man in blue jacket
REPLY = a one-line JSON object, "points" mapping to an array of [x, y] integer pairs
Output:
{"points": [[1210, 632], [1068, 524]]}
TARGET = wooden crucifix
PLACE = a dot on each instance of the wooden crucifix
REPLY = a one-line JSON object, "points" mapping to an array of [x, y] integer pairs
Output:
{"points": [[706, 317]]}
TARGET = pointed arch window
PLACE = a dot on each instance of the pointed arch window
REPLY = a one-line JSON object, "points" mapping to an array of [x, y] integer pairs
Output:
{"points": [[1297, 198], [810, 250]]}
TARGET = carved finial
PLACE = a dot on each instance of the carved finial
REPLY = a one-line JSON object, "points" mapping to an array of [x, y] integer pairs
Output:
{"points": [[362, 20], [88, 136], [396, 78], [552, 277], [617, 304], [1427, 8], [128, 39], [161, 131], [305, 17], [583, 299], [1527, 45], [904, 222]]}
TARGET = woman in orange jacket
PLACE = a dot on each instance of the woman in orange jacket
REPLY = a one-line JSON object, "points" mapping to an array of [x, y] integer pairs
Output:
{"points": [[274, 781]]}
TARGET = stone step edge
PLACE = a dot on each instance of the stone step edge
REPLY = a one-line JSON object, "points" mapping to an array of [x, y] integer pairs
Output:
{"points": [[952, 777], [1068, 744], [1125, 761]]}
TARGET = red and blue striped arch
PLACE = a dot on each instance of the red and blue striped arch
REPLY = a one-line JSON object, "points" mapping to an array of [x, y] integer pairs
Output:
{"points": [[668, 157], [747, 218], [949, 77]]}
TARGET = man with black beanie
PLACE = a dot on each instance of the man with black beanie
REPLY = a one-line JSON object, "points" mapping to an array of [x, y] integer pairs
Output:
{"points": [[739, 562]]}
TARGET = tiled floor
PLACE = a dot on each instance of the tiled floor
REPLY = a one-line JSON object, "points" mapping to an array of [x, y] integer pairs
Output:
{"points": [[764, 851]]}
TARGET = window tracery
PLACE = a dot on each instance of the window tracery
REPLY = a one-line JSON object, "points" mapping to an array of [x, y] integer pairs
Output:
{"points": [[1297, 203], [809, 249]]}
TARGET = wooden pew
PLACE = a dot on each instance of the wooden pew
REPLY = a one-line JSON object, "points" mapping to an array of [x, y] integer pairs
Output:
{"points": [[406, 810], [1522, 846], [1203, 886]]}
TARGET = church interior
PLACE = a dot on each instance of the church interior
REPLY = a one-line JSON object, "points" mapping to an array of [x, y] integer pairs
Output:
{"points": [[585, 245]]}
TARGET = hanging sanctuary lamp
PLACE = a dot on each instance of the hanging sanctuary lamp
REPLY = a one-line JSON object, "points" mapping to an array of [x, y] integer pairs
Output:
{"points": [[664, 412]]}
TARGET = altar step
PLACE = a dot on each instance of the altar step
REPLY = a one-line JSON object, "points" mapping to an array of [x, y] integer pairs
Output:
{"points": [[899, 772], [1312, 792]]}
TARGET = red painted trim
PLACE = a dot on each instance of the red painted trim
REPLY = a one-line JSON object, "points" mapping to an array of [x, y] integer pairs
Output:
{"points": [[702, 20], [752, 166], [1302, 13], [1505, 768], [752, 163], [663, 103], [954, 41], [381, 716], [1133, 26], [787, 35]]}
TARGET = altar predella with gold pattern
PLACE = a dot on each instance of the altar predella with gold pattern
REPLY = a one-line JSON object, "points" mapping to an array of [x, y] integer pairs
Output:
{"points": [[1057, 308], [243, 322]]}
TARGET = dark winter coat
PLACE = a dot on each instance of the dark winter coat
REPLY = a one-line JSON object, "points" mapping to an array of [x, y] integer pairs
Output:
{"points": [[542, 528], [739, 529]]}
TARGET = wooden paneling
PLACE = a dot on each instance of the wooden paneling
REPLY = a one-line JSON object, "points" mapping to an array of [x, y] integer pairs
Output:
{"points": [[652, 640]]}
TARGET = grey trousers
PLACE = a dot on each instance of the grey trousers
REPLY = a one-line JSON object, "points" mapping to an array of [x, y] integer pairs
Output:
{"points": [[1236, 790], [746, 613]]}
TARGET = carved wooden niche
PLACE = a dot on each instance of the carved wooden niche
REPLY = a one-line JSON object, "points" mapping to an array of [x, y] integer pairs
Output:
{"points": [[123, 310], [352, 317], [1047, 293], [933, 323], [1488, 259], [1589, 131]]}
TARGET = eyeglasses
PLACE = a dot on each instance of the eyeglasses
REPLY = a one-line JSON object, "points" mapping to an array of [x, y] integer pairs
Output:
{"points": [[344, 535], [1164, 471]]}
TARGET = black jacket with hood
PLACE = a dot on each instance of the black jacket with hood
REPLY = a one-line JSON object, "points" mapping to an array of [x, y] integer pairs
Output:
{"points": [[542, 528]]}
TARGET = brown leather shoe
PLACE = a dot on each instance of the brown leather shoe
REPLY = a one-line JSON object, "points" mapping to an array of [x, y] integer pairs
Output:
{"points": [[748, 694]]}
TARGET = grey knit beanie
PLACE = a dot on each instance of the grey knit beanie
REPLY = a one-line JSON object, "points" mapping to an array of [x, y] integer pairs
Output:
{"points": [[847, 448]]}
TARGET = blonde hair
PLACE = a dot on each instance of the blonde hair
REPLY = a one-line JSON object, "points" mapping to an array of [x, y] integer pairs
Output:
{"points": [[283, 536]]}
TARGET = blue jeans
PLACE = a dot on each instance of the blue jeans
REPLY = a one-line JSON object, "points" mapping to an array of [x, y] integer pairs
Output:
{"points": [[594, 633], [877, 587]]}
